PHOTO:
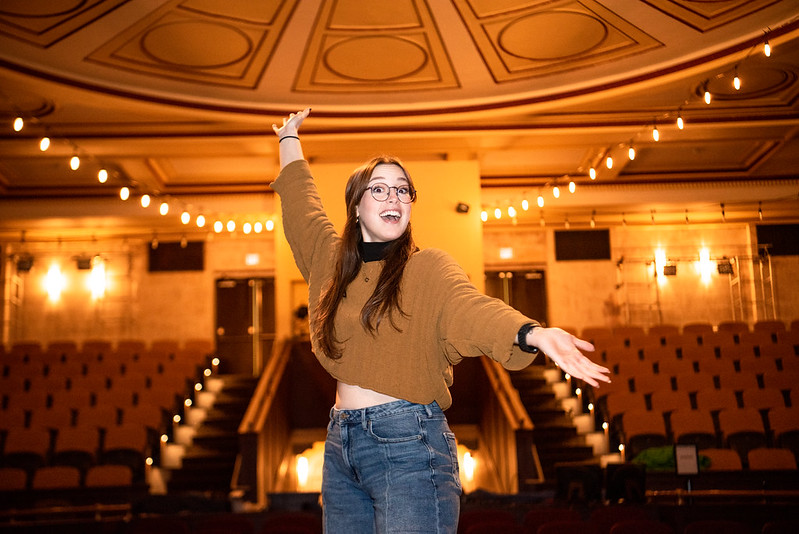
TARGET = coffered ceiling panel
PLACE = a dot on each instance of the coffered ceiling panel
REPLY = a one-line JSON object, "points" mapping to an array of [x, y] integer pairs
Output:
{"points": [[706, 15]]}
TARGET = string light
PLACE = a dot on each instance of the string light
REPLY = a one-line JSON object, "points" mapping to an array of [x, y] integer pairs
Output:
{"points": [[200, 221], [185, 217], [484, 215], [655, 133], [231, 226], [767, 49], [497, 213], [540, 201], [511, 212], [19, 123], [218, 226], [708, 98], [609, 162], [145, 200], [124, 192], [680, 121], [572, 186], [592, 173], [163, 209], [74, 163], [44, 143], [736, 81], [631, 152], [525, 204], [556, 192], [102, 176]]}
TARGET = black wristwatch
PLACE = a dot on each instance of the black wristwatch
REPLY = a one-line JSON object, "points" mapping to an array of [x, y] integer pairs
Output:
{"points": [[522, 338]]}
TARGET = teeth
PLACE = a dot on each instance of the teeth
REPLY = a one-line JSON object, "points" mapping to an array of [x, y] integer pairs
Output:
{"points": [[391, 214]]}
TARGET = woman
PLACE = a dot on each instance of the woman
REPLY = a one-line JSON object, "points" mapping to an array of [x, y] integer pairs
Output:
{"points": [[388, 322]]}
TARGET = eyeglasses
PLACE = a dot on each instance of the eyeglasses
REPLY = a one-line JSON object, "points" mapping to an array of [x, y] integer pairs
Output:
{"points": [[380, 192]]}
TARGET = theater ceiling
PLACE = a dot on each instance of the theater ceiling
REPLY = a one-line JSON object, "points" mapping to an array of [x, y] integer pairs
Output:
{"points": [[176, 98]]}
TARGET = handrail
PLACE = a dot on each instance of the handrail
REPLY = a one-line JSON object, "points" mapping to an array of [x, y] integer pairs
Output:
{"points": [[507, 395], [263, 395]]}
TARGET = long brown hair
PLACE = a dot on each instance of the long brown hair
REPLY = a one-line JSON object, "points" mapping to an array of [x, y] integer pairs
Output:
{"points": [[386, 297]]}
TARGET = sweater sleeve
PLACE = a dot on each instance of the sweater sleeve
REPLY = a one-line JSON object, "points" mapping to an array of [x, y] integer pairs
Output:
{"points": [[308, 230], [472, 323]]}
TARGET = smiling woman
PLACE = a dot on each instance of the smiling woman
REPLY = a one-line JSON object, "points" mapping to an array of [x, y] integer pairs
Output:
{"points": [[388, 322]]}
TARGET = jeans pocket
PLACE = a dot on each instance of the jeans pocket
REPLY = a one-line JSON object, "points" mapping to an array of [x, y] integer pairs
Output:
{"points": [[395, 428], [452, 445]]}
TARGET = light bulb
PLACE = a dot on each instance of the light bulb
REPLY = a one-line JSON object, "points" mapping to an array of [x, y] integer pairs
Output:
{"points": [[18, 124], [497, 213], [655, 133], [556, 192], [540, 201], [736, 82], [124, 193], [767, 49], [592, 173], [44, 144], [484, 215], [707, 97], [218, 226], [270, 225], [231, 226], [200, 221], [631, 153], [609, 162], [163, 209], [680, 122], [102, 176], [572, 187], [246, 228], [511, 211], [145, 201], [258, 227], [185, 217], [525, 205], [74, 163]]}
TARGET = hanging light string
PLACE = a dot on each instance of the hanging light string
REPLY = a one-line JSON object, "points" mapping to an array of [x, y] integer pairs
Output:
{"points": [[217, 222]]}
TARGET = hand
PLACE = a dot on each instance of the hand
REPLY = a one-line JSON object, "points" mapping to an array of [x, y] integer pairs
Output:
{"points": [[291, 124], [564, 349]]}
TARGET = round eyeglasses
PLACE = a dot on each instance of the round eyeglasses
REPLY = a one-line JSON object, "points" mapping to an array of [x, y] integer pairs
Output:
{"points": [[380, 192]]}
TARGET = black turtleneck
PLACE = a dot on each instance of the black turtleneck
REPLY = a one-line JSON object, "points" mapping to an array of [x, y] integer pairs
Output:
{"points": [[373, 251]]}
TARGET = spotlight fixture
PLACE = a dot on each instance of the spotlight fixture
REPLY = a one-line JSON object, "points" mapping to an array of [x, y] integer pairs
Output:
{"points": [[24, 263], [83, 262], [462, 207]]}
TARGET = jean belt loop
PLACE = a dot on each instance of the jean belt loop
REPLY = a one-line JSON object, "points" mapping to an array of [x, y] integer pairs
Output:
{"points": [[363, 418], [428, 410]]}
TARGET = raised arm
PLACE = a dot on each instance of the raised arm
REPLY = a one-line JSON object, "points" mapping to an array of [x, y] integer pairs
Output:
{"points": [[565, 350], [289, 139]]}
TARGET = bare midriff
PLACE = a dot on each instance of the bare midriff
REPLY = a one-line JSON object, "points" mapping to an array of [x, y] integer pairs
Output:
{"points": [[349, 397]]}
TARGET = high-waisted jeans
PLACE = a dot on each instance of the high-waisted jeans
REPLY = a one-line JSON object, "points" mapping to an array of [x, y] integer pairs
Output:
{"points": [[390, 468]]}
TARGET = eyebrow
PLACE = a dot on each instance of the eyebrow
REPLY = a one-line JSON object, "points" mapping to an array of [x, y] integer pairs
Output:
{"points": [[376, 178]]}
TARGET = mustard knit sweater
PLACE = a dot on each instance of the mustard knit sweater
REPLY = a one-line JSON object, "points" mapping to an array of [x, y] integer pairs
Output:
{"points": [[447, 317]]}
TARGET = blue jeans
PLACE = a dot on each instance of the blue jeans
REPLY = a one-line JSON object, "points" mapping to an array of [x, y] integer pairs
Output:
{"points": [[390, 468]]}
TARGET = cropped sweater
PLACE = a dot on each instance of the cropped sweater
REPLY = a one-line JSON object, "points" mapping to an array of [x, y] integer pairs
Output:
{"points": [[446, 318]]}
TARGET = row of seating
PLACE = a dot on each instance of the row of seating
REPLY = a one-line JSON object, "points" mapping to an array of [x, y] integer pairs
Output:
{"points": [[97, 349]]}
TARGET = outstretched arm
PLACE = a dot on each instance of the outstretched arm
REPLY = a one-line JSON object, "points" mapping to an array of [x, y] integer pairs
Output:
{"points": [[565, 350], [288, 137]]}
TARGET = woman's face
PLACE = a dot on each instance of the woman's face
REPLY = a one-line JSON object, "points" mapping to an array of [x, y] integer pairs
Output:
{"points": [[384, 220]]}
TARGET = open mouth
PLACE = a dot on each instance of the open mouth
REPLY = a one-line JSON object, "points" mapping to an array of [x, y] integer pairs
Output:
{"points": [[391, 216]]}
